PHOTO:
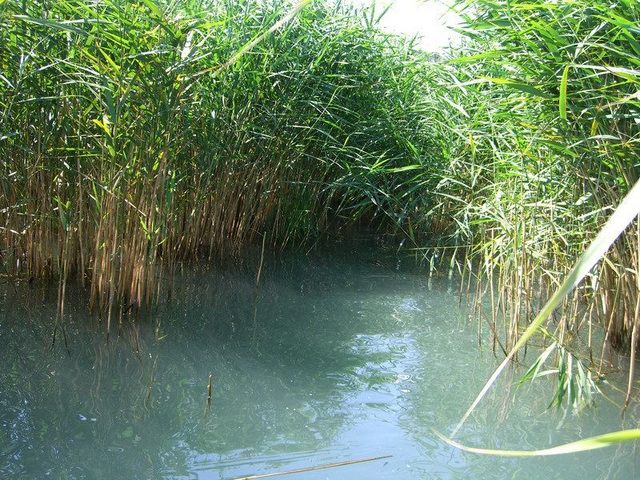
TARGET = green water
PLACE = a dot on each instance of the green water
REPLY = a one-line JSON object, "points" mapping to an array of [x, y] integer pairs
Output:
{"points": [[337, 356]]}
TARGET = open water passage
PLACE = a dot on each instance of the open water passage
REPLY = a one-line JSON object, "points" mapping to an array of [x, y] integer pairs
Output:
{"points": [[333, 357]]}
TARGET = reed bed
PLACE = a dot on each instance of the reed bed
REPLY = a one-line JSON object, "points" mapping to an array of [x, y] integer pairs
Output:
{"points": [[136, 135], [545, 145]]}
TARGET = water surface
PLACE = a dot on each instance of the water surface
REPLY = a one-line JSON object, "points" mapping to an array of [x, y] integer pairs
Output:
{"points": [[335, 356]]}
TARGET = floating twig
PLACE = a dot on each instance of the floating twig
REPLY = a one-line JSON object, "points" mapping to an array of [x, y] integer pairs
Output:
{"points": [[151, 380], [257, 292], [310, 469], [209, 391]]}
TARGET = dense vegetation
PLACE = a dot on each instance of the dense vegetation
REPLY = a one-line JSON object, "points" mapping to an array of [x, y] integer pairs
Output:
{"points": [[135, 135], [552, 129]]}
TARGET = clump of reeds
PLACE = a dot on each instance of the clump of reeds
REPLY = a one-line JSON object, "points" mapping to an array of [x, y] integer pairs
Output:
{"points": [[545, 145], [135, 135]]}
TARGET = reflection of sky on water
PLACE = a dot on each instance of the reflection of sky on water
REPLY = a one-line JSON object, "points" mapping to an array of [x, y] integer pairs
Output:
{"points": [[344, 356]]}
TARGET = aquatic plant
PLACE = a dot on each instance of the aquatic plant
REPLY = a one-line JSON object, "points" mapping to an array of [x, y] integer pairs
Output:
{"points": [[544, 145], [139, 135], [136, 135], [625, 213]]}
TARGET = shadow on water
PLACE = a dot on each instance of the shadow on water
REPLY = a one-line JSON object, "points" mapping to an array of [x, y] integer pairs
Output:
{"points": [[346, 354], [136, 406]]}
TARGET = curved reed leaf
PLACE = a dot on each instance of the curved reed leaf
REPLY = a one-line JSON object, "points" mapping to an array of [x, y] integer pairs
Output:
{"points": [[562, 101], [584, 445]]}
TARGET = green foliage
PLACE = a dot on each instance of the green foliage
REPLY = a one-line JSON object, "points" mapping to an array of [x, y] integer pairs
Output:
{"points": [[624, 214], [138, 134], [545, 145]]}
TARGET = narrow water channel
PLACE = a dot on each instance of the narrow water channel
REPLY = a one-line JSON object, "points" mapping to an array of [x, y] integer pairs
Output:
{"points": [[336, 356]]}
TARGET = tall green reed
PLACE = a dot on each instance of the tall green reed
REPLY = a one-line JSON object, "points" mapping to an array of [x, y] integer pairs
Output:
{"points": [[136, 135], [544, 118]]}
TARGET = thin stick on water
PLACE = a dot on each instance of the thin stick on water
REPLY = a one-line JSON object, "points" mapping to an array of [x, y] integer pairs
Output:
{"points": [[151, 380], [264, 238], [257, 291], [313, 468]]}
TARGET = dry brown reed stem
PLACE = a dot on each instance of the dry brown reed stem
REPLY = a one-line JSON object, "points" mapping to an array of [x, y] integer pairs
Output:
{"points": [[313, 468]]}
